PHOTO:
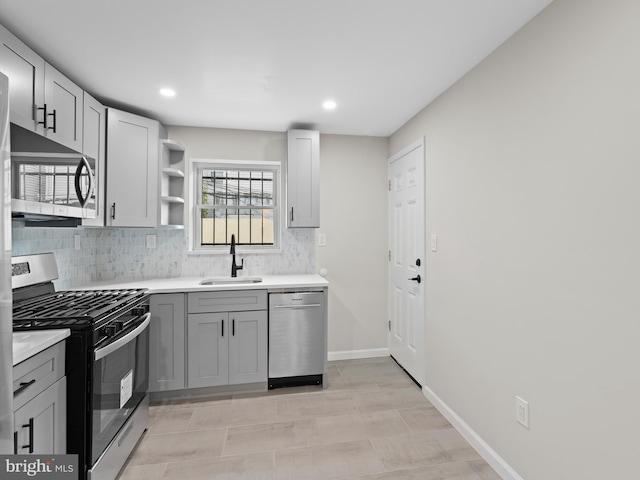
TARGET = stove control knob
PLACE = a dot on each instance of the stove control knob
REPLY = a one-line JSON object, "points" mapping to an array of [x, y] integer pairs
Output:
{"points": [[119, 325], [138, 311], [110, 330]]}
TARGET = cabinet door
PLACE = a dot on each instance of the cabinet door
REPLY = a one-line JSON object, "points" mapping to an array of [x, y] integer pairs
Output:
{"points": [[303, 178], [166, 338], [41, 424], [25, 70], [132, 170], [64, 101], [208, 349], [248, 347], [94, 132]]}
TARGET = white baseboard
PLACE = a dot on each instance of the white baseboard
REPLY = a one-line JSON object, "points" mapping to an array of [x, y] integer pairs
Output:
{"points": [[353, 354], [489, 454]]}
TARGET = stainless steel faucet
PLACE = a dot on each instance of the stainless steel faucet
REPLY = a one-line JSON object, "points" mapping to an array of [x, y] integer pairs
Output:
{"points": [[234, 267]]}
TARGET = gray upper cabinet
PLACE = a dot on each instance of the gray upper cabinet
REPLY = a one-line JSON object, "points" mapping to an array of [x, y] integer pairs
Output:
{"points": [[25, 69], [64, 109], [42, 99], [94, 145], [303, 178], [132, 170]]}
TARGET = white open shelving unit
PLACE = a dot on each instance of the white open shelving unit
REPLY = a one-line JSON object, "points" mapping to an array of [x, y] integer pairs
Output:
{"points": [[172, 184]]}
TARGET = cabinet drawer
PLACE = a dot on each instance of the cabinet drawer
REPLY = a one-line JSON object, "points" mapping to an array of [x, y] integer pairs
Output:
{"points": [[234, 301], [37, 373]]}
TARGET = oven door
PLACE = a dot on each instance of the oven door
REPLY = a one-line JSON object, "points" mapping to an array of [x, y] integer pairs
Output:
{"points": [[120, 382]]}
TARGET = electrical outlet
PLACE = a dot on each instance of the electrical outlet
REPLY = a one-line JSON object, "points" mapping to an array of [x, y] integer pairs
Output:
{"points": [[522, 412], [76, 242], [434, 242], [151, 241], [322, 239]]}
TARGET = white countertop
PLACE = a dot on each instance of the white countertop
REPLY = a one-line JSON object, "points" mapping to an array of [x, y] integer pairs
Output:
{"points": [[28, 344], [192, 284]]}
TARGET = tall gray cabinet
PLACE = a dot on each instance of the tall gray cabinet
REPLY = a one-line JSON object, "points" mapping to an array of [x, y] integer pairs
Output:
{"points": [[132, 170], [303, 178]]}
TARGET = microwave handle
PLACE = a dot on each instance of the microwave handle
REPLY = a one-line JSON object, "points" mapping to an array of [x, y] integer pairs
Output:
{"points": [[84, 163], [112, 347]]}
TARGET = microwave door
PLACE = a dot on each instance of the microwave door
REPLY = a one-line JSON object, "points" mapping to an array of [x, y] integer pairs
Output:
{"points": [[58, 185]]}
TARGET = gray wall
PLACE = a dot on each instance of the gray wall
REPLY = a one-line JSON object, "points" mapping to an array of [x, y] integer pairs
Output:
{"points": [[532, 168], [353, 216]]}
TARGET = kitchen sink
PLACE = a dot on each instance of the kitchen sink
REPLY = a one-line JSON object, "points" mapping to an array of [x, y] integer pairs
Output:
{"points": [[231, 281]]}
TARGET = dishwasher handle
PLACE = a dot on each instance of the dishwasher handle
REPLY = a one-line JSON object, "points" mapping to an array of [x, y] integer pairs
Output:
{"points": [[309, 305]]}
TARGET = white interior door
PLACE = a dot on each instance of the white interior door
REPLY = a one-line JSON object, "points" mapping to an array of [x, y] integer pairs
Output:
{"points": [[406, 259]]}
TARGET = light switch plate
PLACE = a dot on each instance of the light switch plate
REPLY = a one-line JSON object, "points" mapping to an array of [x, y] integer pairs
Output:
{"points": [[76, 242], [434, 242]]}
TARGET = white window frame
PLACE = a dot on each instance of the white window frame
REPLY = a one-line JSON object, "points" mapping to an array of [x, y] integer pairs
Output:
{"points": [[195, 166]]}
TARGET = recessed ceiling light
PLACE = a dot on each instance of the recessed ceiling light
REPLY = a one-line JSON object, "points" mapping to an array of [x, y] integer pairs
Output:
{"points": [[329, 105], [167, 92]]}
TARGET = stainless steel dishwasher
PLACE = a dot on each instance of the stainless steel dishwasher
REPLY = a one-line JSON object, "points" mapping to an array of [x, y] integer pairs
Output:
{"points": [[297, 339]]}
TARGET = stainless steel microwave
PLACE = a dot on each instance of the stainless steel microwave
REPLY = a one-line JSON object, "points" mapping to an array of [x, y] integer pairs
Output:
{"points": [[53, 184]]}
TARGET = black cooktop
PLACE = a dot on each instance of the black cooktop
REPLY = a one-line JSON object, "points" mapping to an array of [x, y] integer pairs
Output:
{"points": [[72, 308]]}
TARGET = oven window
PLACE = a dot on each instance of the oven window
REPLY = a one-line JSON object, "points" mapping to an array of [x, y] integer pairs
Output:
{"points": [[120, 382]]}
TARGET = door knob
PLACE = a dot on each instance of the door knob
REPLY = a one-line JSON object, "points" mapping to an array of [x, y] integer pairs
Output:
{"points": [[416, 279]]}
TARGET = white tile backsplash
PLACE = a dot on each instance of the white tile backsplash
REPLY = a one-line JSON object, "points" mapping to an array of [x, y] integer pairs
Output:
{"points": [[122, 254]]}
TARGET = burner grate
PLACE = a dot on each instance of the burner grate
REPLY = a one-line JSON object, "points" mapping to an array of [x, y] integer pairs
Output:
{"points": [[75, 306]]}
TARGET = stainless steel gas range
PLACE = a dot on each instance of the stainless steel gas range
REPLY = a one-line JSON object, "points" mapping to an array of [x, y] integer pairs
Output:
{"points": [[106, 360]]}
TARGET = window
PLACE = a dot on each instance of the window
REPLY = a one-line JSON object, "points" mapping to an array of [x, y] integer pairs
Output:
{"points": [[236, 198]]}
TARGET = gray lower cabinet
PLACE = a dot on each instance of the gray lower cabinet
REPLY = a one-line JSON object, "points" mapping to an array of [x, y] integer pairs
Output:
{"points": [[248, 347], [40, 425], [40, 403], [227, 338], [216, 339], [227, 348], [167, 342]]}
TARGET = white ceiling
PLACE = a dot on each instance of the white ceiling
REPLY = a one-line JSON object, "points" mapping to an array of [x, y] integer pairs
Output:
{"points": [[268, 64]]}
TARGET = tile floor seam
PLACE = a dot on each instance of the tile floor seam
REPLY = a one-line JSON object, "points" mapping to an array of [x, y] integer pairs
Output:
{"points": [[224, 442], [405, 421]]}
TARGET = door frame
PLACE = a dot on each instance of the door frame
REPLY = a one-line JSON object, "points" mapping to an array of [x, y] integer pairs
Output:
{"points": [[420, 375]]}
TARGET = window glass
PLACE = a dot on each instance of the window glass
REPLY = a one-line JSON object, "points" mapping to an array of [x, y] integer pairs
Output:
{"points": [[238, 201]]}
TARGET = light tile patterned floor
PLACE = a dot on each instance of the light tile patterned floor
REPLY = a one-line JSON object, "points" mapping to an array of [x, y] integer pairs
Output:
{"points": [[371, 423]]}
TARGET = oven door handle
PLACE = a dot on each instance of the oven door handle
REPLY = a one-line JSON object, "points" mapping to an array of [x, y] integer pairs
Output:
{"points": [[112, 347]]}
